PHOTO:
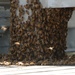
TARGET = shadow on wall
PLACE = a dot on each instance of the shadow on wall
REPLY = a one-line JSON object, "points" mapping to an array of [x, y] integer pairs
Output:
{"points": [[4, 36], [71, 32], [4, 42], [71, 38]]}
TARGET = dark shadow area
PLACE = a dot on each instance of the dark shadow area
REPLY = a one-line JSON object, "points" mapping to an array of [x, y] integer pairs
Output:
{"points": [[4, 26]]}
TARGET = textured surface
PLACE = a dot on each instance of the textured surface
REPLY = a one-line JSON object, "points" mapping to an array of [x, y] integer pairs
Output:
{"points": [[4, 41], [41, 35]]}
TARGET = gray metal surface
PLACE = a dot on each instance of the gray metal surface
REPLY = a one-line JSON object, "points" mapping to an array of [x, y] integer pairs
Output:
{"points": [[4, 13], [4, 0], [4, 42], [4, 35], [71, 38]]}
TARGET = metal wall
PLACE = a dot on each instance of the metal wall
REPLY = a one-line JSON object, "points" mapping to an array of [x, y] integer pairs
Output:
{"points": [[4, 21], [4, 0]]}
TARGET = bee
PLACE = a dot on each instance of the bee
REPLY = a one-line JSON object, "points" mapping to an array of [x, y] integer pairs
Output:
{"points": [[31, 1], [20, 63], [6, 63], [21, 10], [4, 28], [26, 64], [27, 12], [35, 1], [37, 6], [27, 6], [32, 63], [17, 43], [29, 17], [28, 1]]}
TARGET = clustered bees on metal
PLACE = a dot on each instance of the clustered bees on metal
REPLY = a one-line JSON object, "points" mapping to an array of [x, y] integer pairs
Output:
{"points": [[42, 36]]}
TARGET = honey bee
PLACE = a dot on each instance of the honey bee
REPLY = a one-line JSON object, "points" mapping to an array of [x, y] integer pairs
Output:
{"points": [[17, 43], [37, 6], [4, 28], [31, 1], [35, 1], [27, 6], [20, 63], [28, 1], [21, 10], [6, 63], [27, 12]]}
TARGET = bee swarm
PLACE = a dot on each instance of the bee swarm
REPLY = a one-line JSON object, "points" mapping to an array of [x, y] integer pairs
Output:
{"points": [[42, 37]]}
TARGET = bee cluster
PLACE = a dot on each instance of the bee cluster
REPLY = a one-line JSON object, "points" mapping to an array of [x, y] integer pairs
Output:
{"points": [[42, 36]]}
